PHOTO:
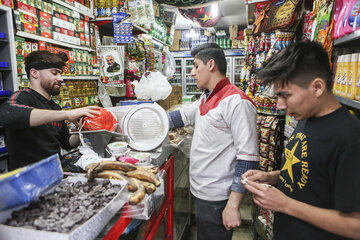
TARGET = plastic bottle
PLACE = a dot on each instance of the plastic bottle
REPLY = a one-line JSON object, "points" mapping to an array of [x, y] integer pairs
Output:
{"points": [[352, 22], [357, 95], [76, 100], [338, 75], [81, 91], [101, 8], [71, 93], [85, 94], [65, 98], [115, 7], [345, 75], [353, 76], [108, 7], [95, 9]]}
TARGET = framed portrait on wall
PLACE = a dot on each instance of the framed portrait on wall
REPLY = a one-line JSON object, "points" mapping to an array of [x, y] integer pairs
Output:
{"points": [[113, 61]]}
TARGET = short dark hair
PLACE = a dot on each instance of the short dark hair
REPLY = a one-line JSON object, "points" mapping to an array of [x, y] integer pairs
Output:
{"points": [[44, 59], [208, 51], [300, 63]]}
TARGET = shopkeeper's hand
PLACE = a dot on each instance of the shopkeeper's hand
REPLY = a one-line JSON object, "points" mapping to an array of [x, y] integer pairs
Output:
{"points": [[267, 196], [75, 114]]}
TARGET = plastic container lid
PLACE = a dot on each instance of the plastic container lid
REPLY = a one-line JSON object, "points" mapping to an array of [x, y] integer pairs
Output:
{"points": [[144, 158], [117, 147], [146, 125]]}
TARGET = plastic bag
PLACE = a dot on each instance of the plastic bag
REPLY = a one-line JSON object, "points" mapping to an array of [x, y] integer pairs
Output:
{"points": [[169, 64], [106, 120], [104, 95], [88, 157], [152, 85]]}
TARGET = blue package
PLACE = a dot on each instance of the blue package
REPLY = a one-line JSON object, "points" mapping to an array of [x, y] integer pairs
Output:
{"points": [[5, 92], [4, 64], [27, 184], [2, 35]]}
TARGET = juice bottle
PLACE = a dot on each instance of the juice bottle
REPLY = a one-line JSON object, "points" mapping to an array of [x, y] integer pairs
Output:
{"points": [[353, 76], [345, 75], [357, 94], [337, 79]]}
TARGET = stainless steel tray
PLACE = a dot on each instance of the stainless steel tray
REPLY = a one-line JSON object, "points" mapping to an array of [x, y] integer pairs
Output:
{"points": [[99, 139], [87, 231]]}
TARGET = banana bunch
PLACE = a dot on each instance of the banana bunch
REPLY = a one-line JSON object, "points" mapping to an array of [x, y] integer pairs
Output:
{"points": [[140, 179]]}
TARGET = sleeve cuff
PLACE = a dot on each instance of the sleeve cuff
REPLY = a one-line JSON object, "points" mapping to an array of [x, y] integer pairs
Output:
{"points": [[175, 119], [241, 167]]}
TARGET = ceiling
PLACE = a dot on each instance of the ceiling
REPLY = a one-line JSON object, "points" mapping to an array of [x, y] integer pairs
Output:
{"points": [[233, 12]]}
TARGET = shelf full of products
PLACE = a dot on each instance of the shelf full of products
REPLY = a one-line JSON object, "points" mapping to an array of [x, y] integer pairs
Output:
{"points": [[52, 41]]}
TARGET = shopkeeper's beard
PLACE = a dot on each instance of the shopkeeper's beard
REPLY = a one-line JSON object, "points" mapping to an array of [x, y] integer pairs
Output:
{"points": [[51, 88]]}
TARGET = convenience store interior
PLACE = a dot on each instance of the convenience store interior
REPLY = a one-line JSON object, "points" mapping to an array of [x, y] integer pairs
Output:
{"points": [[145, 36]]}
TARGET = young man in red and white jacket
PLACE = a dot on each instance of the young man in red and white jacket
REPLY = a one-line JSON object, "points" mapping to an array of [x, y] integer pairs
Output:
{"points": [[224, 144]]}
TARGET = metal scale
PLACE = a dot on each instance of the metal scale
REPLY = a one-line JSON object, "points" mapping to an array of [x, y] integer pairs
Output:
{"points": [[144, 127]]}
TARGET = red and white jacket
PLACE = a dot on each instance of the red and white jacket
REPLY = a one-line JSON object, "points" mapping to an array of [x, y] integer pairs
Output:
{"points": [[225, 130]]}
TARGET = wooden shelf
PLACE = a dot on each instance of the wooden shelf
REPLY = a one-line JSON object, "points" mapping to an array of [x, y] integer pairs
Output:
{"points": [[349, 102], [64, 44]]}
